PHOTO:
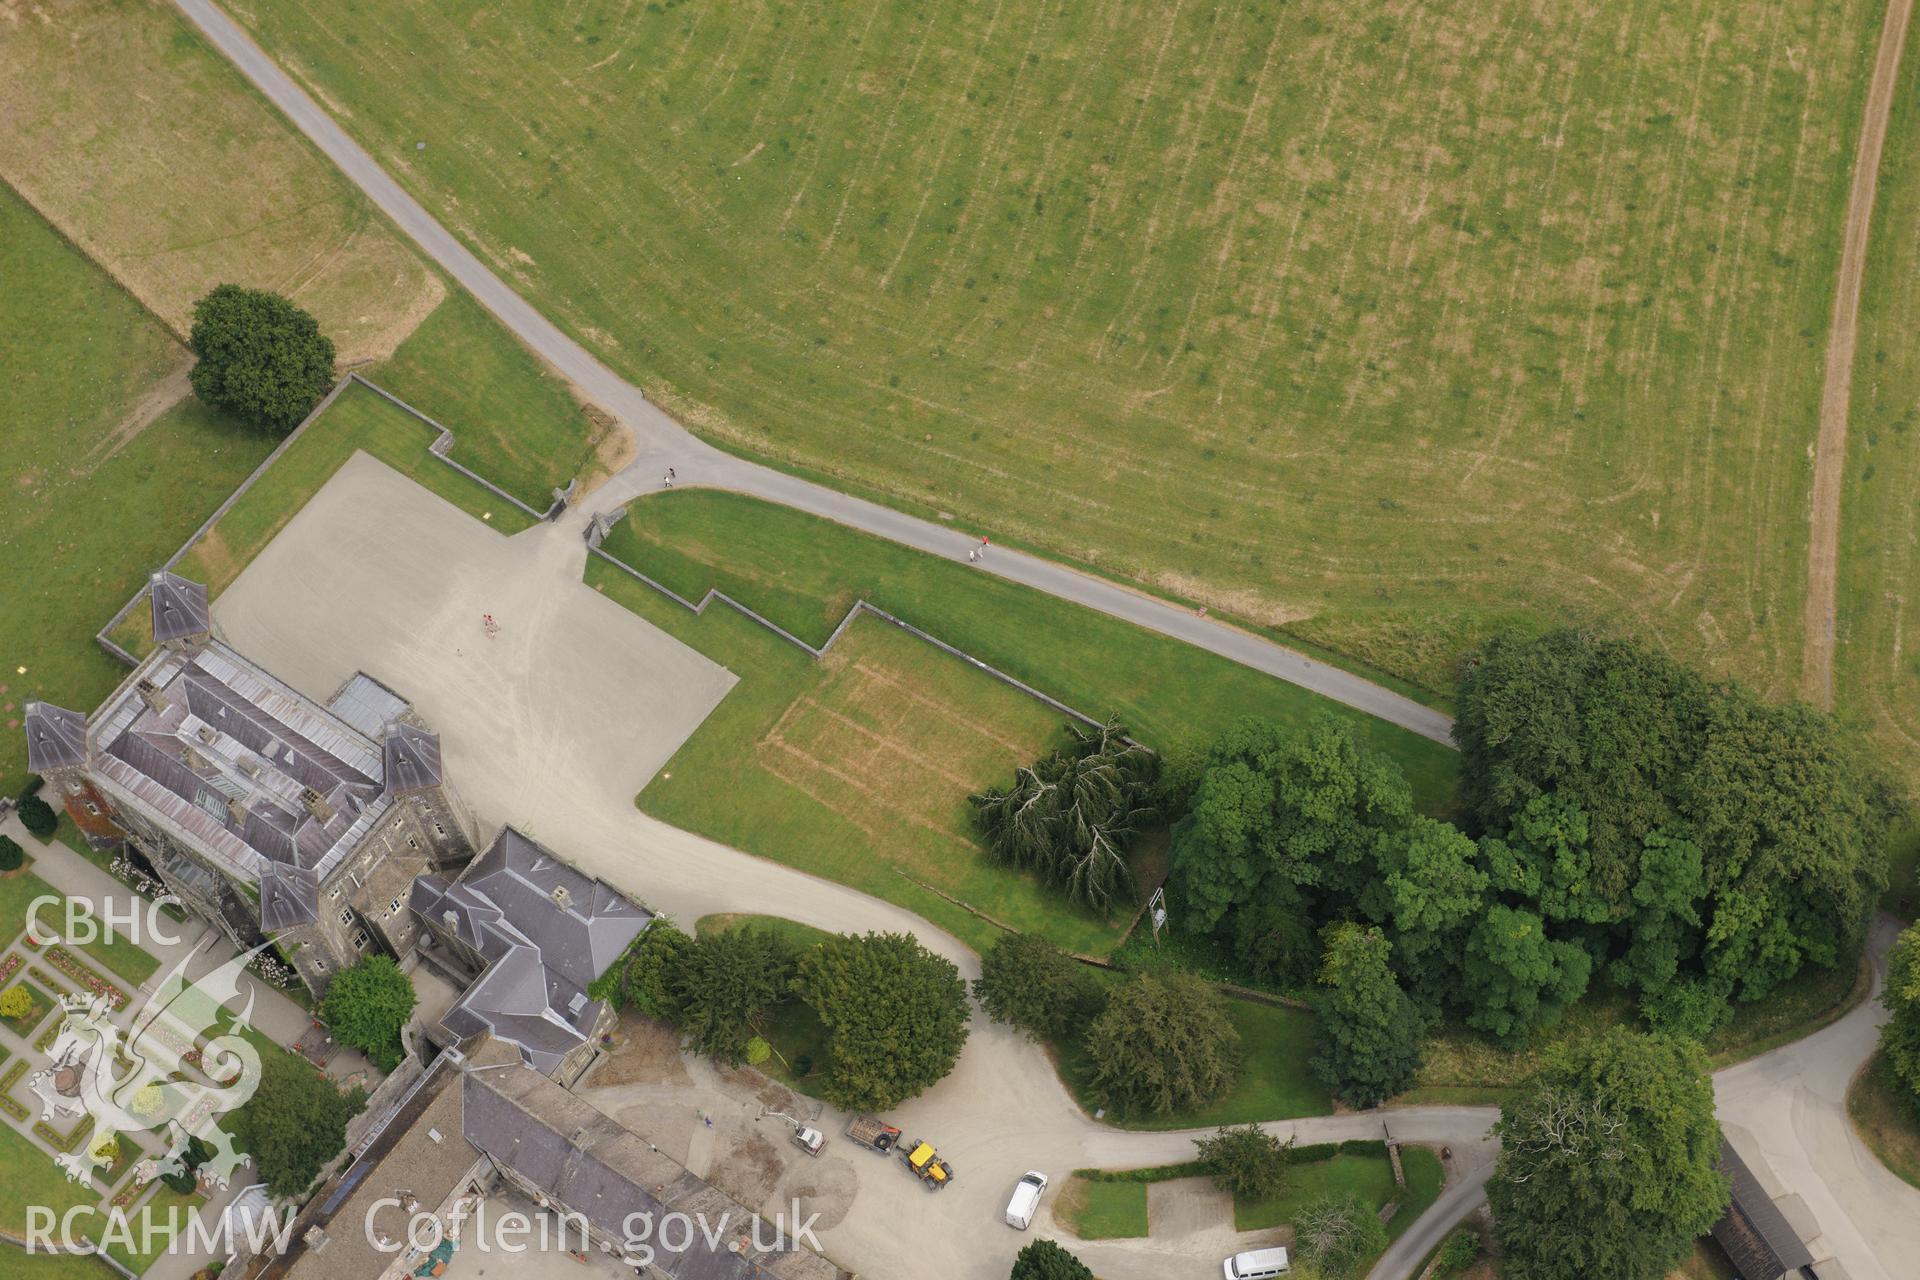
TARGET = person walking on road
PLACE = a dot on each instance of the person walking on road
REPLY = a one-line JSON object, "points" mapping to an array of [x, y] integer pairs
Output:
{"points": [[667, 480]]}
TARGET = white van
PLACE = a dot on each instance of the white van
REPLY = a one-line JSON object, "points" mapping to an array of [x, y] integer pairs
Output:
{"points": [[1260, 1264], [1026, 1199]]}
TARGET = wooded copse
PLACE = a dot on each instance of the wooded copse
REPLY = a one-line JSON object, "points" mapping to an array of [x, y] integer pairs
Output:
{"points": [[1625, 816]]}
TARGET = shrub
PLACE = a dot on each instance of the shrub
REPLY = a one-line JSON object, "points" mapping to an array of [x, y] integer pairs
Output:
{"points": [[16, 1002], [1163, 1044], [1245, 1160], [12, 856], [37, 816], [758, 1051], [1045, 1260], [1339, 1236], [1461, 1250]]}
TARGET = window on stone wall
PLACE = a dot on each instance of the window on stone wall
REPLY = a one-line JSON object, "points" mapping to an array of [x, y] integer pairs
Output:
{"points": [[346, 916]]}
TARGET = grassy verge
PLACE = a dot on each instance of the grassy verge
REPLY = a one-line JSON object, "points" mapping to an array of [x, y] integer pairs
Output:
{"points": [[123, 956], [42, 1266], [1102, 1210], [157, 1223], [804, 573], [513, 421], [1887, 1118], [18, 889], [857, 767], [1274, 1083], [1099, 1204]]}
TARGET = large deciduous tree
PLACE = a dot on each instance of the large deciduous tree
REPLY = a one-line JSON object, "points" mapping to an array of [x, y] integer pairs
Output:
{"points": [[1029, 982], [1366, 1030], [1070, 816], [1338, 1236], [897, 1014], [366, 1006], [1283, 825], [1609, 1161], [261, 359], [1163, 1044]]}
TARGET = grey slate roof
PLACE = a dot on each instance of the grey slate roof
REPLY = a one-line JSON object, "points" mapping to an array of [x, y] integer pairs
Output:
{"points": [[180, 609], [226, 760], [56, 737], [546, 932], [1753, 1231], [412, 758], [289, 896], [367, 705], [589, 1164]]}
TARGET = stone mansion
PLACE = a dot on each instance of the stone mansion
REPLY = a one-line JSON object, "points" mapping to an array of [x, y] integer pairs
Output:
{"points": [[330, 830]]}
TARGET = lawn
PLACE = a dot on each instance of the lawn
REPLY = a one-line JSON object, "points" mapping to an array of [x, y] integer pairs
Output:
{"points": [[1876, 677], [1382, 326], [513, 421], [32, 1178], [1887, 1118], [857, 766], [42, 1266], [89, 511], [18, 889], [1100, 1210], [153, 154], [1367, 1178], [1274, 1083]]}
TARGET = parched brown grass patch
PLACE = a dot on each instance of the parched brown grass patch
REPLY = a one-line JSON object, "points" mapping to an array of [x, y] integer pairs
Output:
{"points": [[151, 153]]}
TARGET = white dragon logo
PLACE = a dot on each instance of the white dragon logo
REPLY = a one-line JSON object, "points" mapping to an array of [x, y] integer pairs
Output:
{"points": [[105, 1071]]}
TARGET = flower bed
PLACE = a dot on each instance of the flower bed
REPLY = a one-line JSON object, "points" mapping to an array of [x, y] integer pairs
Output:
{"points": [[63, 1141], [17, 1110], [90, 979], [7, 967]]}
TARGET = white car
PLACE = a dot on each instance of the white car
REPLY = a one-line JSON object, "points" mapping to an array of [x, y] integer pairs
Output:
{"points": [[1026, 1199]]}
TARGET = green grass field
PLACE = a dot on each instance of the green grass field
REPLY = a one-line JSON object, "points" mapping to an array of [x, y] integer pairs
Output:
{"points": [[1098, 1210], [513, 421], [18, 889], [857, 766], [1876, 677], [1383, 326], [1367, 1177], [1274, 1082], [86, 513], [803, 573], [32, 1178]]}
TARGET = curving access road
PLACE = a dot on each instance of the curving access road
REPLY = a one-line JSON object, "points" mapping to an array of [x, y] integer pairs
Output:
{"points": [[664, 443]]}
